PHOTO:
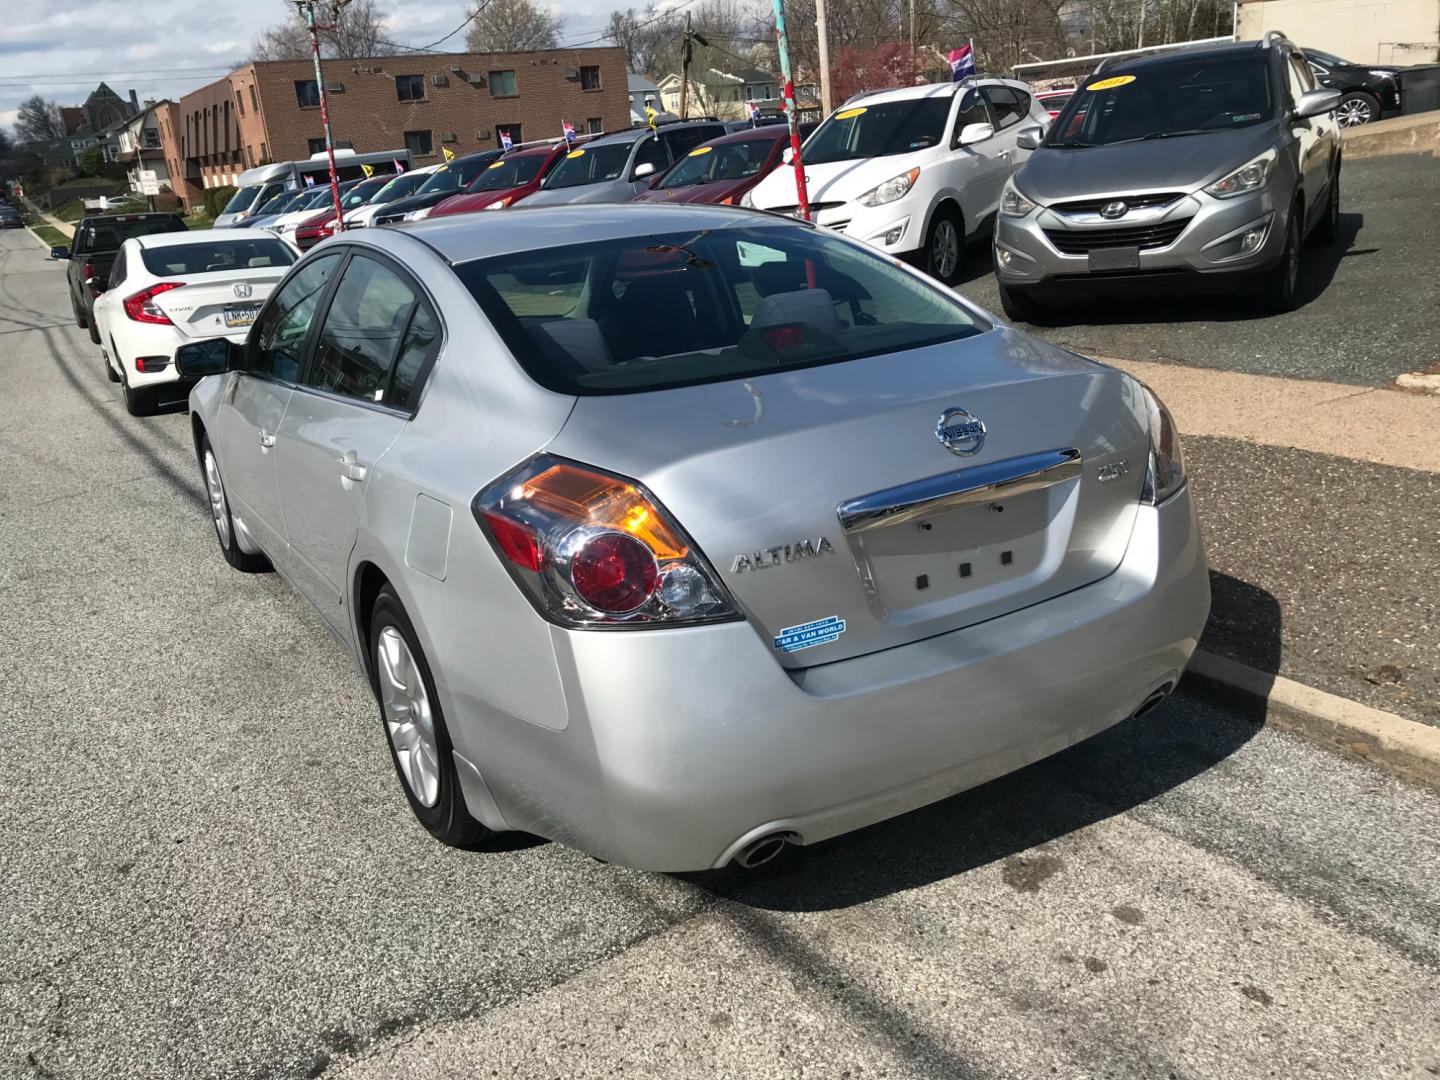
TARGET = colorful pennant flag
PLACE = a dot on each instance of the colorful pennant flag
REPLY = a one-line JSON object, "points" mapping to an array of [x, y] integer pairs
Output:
{"points": [[569, 130], [962, 62], [448, 154], [505, 141]]}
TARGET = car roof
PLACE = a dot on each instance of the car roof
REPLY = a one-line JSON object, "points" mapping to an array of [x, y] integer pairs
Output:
{"points": [[623, 137], [1221, 50], [928, 90], [462, 238]]}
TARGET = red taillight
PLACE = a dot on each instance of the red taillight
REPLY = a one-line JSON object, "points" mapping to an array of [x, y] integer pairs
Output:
{"points": [[613, 572], [784, 337], [141, 306], [517, 541]]}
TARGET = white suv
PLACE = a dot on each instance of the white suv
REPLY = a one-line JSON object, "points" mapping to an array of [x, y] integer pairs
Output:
{"points": [[915, 172]]}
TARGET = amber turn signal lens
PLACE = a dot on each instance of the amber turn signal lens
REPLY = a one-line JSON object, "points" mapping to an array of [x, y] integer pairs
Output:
{"points": [[590, 498]]}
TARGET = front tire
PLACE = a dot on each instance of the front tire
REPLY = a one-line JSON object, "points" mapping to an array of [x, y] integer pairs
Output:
{"points": [[220, 514], [1357, 108], [945, 246], [79, 314], [1280, 288], [89, 324], [1328, 230], [1021, 306], [420, 746]]}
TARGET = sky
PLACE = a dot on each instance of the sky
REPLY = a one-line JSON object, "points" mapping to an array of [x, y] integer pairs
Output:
{"points": [[159, 48]]}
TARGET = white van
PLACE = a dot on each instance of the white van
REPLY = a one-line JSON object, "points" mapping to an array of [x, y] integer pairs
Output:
{"points": [[258, 185]]}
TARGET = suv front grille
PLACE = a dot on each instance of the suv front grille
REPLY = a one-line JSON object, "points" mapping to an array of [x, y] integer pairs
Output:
{"points": [[1078, 242], [1134, 202]]}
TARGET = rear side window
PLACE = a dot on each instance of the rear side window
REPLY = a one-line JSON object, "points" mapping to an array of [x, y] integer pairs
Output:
{"points": [[689, 138], [363, 333], [213, 256], [284, 326], [647, 313]]}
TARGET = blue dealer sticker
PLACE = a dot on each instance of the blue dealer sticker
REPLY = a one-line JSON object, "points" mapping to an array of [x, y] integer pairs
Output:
{"points": [[807, 635]]}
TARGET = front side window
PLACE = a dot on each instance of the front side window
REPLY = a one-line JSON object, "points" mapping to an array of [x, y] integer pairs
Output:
{"points": [[647, 313], [410, 87], [1010, 106], [419, 143], [362, 332], [1301, 79], [279, 342], [654, 153], [1167, 98], [307, 94], [502, 84], [890, 127], [972, 111], [589, 78]]}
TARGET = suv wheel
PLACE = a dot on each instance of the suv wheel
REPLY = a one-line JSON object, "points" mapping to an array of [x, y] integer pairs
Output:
{"points": [[1020, 305], [945, 246], [1281, 283], [1356, 108]]}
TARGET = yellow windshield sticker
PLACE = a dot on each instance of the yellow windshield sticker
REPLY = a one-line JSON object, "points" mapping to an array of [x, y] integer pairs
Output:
{"points": [[1111, 84], [575, 154], [497, 164], [848, 113], [443, 168], [701, 150]]}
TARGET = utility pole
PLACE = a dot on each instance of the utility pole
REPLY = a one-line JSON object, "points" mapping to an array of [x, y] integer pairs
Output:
{"points": [[690, 38], [826, 105], [308, 6], [782, 46]]}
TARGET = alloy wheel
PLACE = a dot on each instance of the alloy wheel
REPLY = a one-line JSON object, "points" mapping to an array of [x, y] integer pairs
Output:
{"points": [[1353, 113], [945, 249], [408, 716], [219, 510]]}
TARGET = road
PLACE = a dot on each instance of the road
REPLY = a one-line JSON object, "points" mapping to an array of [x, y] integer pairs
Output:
{"points": [[208, 869]]}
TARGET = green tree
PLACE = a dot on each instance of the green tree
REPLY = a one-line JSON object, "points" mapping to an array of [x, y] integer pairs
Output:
{"points": [[91, 161]]}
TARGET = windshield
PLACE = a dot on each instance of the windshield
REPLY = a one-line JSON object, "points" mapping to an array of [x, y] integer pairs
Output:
{"points": [[243, 199], [278, 204], [454, 176], [361, 193], [589, 165], [399, 187], [213, 256], [890, 127], [1180, 96], [652, 312], [724, 161], [509, 172]]}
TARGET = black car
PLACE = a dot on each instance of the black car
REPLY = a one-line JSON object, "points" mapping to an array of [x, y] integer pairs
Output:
{"points": [[1367, 93], [10, 219], [449, 179], [97, 240]]}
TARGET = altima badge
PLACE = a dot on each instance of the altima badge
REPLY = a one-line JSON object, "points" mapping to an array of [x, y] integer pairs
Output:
{"points": [[775, 556], [960, 432]]}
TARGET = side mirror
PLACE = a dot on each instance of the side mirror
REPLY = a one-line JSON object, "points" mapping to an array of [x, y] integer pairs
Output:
{"points": [[60, 251], [974, 133], [212, 356], [645, 168], [1316, 103], [1028, 138]]}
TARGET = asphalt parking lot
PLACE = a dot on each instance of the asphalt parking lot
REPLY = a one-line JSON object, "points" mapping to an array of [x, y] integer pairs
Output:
{"points": [[1369, 303], [208, 868]]}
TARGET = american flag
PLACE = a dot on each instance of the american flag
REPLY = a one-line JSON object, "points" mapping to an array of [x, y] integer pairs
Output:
{"points": [[754, 113], [505, 141]]}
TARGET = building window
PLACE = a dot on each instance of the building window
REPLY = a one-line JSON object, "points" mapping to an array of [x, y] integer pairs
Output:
{"points": [[317, 146], [769, 93], [589, 78], [239, 103], [502, 84], [410, 87], [250, 156], [307, 94], [513, 130], [594, 126], [264, 154], [749, 92], [419, 143], [254, 101]]}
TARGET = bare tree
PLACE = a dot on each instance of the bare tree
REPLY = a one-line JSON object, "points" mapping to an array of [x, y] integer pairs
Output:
{"points": [[38, 120], [357, 30], [513, 26]]}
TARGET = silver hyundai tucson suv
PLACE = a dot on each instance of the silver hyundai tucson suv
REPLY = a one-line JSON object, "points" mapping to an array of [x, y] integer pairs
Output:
{"points": [[1203, 168]]}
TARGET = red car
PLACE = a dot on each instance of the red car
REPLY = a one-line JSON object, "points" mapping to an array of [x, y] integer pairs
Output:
{"points": [[312, 230], [724, 169], [506, 181], [1054, 100]]}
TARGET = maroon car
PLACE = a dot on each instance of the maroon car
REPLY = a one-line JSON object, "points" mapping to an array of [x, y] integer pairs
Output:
{"points": [[723, 169], [506, 181]]}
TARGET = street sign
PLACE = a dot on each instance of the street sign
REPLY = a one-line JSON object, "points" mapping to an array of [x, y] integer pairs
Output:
{"points": [[149, 182]]}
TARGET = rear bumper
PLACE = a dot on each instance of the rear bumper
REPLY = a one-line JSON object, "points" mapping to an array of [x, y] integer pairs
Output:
{"points": [[682, 745]]}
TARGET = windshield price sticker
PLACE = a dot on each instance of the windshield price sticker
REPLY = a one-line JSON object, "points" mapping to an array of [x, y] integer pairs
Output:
{"points": [[1111, 84], [848, 113], [575, 154], [701, 150], [497, 164], [808, 635]]}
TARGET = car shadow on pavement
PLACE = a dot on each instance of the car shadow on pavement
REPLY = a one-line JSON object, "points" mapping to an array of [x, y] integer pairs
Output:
{"points": [[1318, 266], [1126, 766]]}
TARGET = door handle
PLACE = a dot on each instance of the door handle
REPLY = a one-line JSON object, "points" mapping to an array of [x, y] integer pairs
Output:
{"points": [[350, 469], [267, 440]]}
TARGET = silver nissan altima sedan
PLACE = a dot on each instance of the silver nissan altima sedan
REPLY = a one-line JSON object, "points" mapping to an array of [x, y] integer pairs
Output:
{"points": [[682, 533]]}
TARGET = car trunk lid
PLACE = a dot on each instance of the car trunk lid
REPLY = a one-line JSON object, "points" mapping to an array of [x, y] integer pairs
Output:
{"points": [[220, 302], [840, 521]]}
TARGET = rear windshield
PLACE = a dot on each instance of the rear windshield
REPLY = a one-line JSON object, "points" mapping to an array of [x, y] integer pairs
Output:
{"points": [[109, 233], [590, 165], [213, 256], [891, 127], [723, 161], [510, 172], [647, 313], [1162, 100]]}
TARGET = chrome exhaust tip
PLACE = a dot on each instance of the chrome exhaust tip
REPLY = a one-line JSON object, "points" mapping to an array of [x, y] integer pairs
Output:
{"points": [[762, 850], [1152, 701]]}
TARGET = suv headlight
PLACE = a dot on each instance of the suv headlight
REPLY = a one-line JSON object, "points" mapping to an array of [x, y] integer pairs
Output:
{"points": [[1165, 473], [1252, 176], [1012, 203], [894, 188], [418, 215]]}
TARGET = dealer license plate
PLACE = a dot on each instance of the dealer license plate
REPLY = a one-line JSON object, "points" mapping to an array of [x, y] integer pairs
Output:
{"points": [[1120, 258], [240, 314]]}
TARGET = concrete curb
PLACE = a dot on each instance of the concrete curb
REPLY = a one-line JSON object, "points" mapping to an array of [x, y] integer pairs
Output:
{"points": [[1414, 134], [1394, 743]]}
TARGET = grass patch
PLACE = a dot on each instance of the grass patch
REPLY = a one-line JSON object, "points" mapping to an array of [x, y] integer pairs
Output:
{"points": [[199, 221], [73, 210], [52, 236]]}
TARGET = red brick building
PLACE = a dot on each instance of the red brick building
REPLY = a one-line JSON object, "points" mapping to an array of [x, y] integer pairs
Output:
{"points": [[457, 101]]}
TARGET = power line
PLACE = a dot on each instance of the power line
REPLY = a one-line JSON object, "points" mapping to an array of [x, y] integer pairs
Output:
{"points": [[426, 48], [638, 26]]}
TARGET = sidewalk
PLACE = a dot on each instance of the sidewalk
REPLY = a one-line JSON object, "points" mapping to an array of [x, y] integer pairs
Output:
{"points": [[49, 219]]}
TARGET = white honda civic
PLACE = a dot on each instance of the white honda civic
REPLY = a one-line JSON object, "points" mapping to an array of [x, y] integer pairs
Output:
{"points": [[167, 289]]}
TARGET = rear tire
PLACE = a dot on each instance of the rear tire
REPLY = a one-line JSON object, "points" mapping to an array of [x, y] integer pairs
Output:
{"points": [[89, 324], [79, 314], [415, 730], [1327, 231], [1021, 306], [110, 372], [139, 401], [1280, 285], [945, 246], [220, 515]]}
